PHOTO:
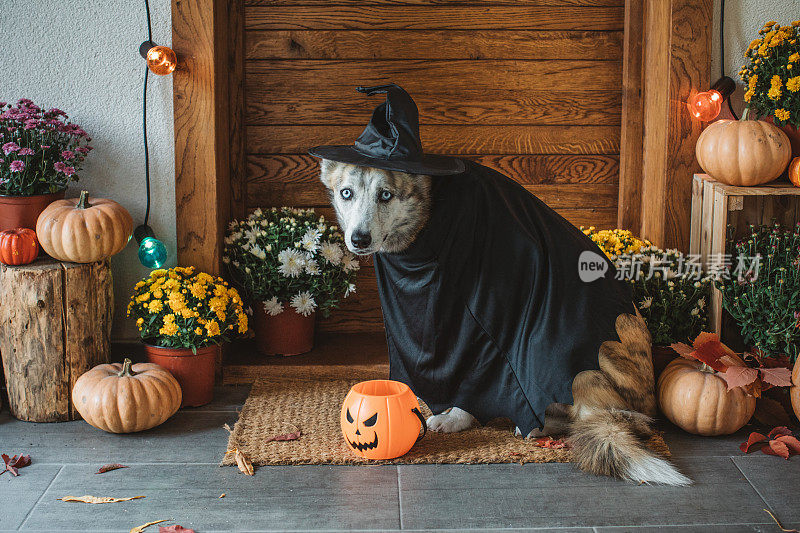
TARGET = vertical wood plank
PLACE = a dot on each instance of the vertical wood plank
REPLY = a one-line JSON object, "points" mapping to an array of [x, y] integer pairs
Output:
{"points": [[697, 215], [718, 233], [677, 48], [236, 103], [201, 132], [631, 138]]}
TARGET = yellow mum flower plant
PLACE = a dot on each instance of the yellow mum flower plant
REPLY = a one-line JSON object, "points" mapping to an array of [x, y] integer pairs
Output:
{"points": [[182, 308], [772, 74]]}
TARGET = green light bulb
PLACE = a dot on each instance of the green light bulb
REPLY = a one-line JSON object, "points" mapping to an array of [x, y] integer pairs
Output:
{"points": [[152, 252]]}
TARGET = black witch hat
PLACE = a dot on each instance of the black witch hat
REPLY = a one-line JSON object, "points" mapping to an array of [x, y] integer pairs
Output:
{"points": [[391, 139]]}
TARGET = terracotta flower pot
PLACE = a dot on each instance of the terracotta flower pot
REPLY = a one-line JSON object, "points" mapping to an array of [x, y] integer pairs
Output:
{"points": [[662, 356], [287, 333], [194, 372], [23, 211]]}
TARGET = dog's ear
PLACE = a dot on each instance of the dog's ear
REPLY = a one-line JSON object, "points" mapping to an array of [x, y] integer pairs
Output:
{"points": [[326, 174]]}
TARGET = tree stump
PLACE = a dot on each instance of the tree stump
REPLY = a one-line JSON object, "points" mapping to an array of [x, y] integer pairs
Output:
{"points": [[55, 324]]}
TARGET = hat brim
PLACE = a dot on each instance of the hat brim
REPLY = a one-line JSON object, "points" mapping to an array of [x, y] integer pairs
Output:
{"points": [[432, 165]]}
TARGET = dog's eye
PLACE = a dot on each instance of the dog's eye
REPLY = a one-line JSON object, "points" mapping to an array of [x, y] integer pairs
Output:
{"points": [[385, 196], [346, 193]]}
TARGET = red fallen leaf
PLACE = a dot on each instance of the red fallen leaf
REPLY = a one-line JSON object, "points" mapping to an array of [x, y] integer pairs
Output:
{"points": [[551, 443], [174, 529], [109, 468], [683, 349], [15, 463], [776, 362], [779, 431], [778, 376], [754, 438], [791, 443], [710, 353], [285, 437], [739, 376], [705, 337], [776, 447]]}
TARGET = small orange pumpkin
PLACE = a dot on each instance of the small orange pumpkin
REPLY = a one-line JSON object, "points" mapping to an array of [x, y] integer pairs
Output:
{"points": [[381, 419], [743, 152], [18, 246], [794, 171], [83, 230], [698, 401], [124, 398]]}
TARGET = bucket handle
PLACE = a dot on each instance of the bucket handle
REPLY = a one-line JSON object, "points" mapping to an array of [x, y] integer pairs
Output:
{"points": [[417, 412]]}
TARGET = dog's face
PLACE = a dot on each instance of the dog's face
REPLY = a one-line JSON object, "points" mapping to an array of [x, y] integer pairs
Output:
{"points": [[378, 210]]}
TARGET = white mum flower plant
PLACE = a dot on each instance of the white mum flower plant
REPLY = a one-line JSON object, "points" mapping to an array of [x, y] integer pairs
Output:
{"points": [[286, 258]]}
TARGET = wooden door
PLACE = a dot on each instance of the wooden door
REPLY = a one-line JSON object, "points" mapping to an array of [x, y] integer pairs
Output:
{"points": [[531, 88]]}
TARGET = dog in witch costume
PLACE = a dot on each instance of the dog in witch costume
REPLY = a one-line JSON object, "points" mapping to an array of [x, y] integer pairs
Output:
{"points": [[485, 311]]}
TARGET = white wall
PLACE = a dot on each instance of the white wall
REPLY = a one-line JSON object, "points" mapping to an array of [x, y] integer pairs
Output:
{"points": [[743, 19], [83, 56]]}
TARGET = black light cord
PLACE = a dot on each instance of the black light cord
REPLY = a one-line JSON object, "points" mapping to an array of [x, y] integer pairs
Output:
{"points": [[722, 51], [146, 151], [144, 119]]}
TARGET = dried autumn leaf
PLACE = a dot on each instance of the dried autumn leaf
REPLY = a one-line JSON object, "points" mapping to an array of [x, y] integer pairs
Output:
{"points": [[109, 468], [551, 443], [739, 376], [791, 443], [140, 529], [285, 437], [754, 438], [779, 431], [710, 353], [776, 447], [174, 529], [778, 376], [705, 337], [683, 349], [12, 464], [97, 499], [244, 464]]}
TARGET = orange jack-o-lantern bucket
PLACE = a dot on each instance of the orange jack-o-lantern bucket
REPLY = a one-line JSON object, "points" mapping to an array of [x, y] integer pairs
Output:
{"points": [[381, 419]]}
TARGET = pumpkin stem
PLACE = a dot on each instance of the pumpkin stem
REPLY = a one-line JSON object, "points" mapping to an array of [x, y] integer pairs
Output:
{"points": [[705, 368], [126, 369], [745, 113], [83, 201]]}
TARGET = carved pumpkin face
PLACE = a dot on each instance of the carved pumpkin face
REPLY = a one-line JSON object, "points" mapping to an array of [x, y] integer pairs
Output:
{"points": [[380, 419]]}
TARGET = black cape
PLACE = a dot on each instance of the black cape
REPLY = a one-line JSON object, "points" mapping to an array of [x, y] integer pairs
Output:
{"points": [[486, 310]]}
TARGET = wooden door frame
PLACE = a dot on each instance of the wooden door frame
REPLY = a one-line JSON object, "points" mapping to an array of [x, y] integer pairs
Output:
{"points": [[666, 56]]}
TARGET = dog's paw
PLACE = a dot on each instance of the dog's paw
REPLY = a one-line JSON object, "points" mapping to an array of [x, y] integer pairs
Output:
{"points": [[451, 421]]}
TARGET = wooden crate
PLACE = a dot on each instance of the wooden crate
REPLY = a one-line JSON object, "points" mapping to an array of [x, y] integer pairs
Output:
{"points": [[723, 213]]}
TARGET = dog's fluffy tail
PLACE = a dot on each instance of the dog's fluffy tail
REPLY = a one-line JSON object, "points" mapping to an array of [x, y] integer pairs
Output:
{"points": [[611, 442]]}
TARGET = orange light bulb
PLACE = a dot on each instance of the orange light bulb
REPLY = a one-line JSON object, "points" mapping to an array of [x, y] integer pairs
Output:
{"points": [[161, 60], [705, 106]]}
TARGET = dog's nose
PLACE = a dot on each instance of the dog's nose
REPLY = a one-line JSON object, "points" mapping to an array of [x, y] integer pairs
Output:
{"points": [[361, 239]]}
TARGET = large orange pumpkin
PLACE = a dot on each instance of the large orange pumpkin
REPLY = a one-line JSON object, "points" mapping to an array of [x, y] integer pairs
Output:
{"points": [[794, 171], [18, 246], [83, 230], [381, 419], [743, 152], [794, 390], [124, 398], [698, 401]]}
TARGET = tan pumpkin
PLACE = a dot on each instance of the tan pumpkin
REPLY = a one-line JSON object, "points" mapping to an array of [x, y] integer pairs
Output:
{"points": [[125, 398], [743, 152], [83, 230], [698, 401], [794, 390]]}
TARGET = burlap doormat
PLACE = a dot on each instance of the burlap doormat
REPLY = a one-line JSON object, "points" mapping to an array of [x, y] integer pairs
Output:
{"points": [[278, 406]]}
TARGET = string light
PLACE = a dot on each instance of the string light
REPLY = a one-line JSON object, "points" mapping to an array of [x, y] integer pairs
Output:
{"points": [[706, 105], [160, 60]]}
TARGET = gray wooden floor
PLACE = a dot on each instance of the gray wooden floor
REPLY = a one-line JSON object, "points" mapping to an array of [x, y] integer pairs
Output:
{"points": [[175, 467]]}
